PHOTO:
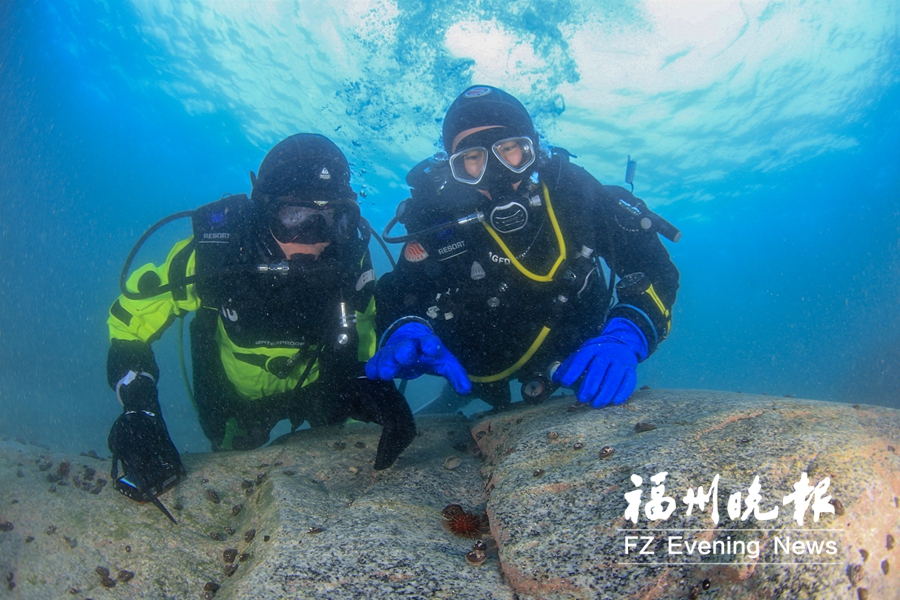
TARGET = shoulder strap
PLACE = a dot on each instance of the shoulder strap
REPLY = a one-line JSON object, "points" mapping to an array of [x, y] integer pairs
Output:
{"points": [[222, 236]]}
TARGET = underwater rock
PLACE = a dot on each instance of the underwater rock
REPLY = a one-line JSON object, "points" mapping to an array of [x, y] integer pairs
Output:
{"points": [[565, 539], [383, 535]]}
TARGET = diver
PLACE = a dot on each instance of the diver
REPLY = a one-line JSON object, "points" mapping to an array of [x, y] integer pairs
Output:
{"points": [[501, 275], [282, 288]]}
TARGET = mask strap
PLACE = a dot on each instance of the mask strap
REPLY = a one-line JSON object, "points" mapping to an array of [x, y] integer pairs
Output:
{"points": [[559, 240]]}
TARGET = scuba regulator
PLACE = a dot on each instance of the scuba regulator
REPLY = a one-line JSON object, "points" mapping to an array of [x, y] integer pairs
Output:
{"points": [[434, 204]]}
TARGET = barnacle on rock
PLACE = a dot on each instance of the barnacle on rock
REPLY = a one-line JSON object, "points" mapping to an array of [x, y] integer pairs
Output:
{"points": [[838, 507], [475, 557], [98, 486], [124, 575], [606, 452]]}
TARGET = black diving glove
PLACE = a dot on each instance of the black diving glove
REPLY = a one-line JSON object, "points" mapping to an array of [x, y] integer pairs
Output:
{"points": [[394, 440], [380, 402], [150, 461], [137, 392], [140, 442]]}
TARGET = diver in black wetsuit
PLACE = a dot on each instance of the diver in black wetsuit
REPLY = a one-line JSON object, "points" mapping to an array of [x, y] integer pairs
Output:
{"points": [[282, 285], [521, 293]]}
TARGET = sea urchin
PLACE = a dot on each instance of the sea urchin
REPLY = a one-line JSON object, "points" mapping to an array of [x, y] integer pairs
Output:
{"points": [[462, 523]]}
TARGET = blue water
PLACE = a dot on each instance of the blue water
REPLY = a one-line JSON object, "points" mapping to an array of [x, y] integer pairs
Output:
{"points": [[769, 132]]}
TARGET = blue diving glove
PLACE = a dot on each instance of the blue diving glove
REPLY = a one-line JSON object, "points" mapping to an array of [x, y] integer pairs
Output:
{"points": [[414, 350], [607, 363]]}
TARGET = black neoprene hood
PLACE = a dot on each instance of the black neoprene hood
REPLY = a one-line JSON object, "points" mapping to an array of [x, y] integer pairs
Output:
{"points": [[483, 105], [305, 165]]}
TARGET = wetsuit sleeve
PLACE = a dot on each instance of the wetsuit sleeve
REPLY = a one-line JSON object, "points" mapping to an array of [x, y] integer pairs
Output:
{"points": [[135, 324], [631, 250], [401, 293]]}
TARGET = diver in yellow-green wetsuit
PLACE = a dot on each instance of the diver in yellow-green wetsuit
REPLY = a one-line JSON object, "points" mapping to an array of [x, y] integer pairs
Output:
{"points": [[277, 281]]}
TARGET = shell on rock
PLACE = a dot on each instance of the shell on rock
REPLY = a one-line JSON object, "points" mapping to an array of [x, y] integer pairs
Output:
{"points": [[475, 557], [125, 575], [451, 462], [606, 452]]}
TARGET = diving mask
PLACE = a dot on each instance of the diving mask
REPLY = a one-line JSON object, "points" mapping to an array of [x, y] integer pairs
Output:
{"points": [[470, 164], [312, 222]]}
